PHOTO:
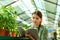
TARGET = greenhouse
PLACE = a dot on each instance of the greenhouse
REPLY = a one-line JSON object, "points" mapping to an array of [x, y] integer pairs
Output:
{"points": [[17, 17]]}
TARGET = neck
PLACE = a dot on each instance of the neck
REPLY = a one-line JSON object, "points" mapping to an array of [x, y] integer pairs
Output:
{"points": [[39, 27]]}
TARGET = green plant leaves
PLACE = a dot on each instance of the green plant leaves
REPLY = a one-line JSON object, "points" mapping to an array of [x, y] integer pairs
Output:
{"points": [[26, 26], [8, 18]]}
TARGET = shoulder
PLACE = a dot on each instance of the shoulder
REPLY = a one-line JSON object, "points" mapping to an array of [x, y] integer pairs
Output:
{"points": [[43, 27], [44, 30]]}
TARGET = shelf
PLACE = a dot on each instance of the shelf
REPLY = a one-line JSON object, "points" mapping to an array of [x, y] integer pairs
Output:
{"points": [[12, 38]]}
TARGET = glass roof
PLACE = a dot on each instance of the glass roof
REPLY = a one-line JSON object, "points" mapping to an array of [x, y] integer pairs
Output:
{"points": [[25, 8]]}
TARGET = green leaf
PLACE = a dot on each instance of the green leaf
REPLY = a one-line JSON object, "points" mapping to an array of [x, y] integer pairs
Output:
{"points": [[8, 18]]}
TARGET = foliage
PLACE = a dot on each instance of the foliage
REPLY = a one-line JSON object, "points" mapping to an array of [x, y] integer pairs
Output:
{"points": [[8, 18]]}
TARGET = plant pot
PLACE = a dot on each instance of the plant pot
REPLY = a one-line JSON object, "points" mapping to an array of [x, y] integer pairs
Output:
{"points": [[14, 34], [2, 32], [7, 33]]}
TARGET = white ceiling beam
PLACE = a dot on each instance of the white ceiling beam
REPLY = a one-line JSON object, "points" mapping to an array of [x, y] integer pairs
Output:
{"points": [[57, 15]]}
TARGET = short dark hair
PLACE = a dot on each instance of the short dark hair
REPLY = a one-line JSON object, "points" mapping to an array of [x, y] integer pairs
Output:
{"points": [[38, 13]]}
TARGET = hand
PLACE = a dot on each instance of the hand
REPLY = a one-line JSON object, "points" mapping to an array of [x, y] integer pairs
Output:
{"points": [[29, 36]]}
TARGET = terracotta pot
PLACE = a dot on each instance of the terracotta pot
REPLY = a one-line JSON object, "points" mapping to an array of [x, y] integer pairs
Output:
{"points": [[14, 34], [2, 32], [7, 33]]}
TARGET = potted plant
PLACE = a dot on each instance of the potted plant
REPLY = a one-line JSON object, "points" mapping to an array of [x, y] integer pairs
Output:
{"points": [[12, 22], [2, 21], [7, 19], [13, 32]]}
